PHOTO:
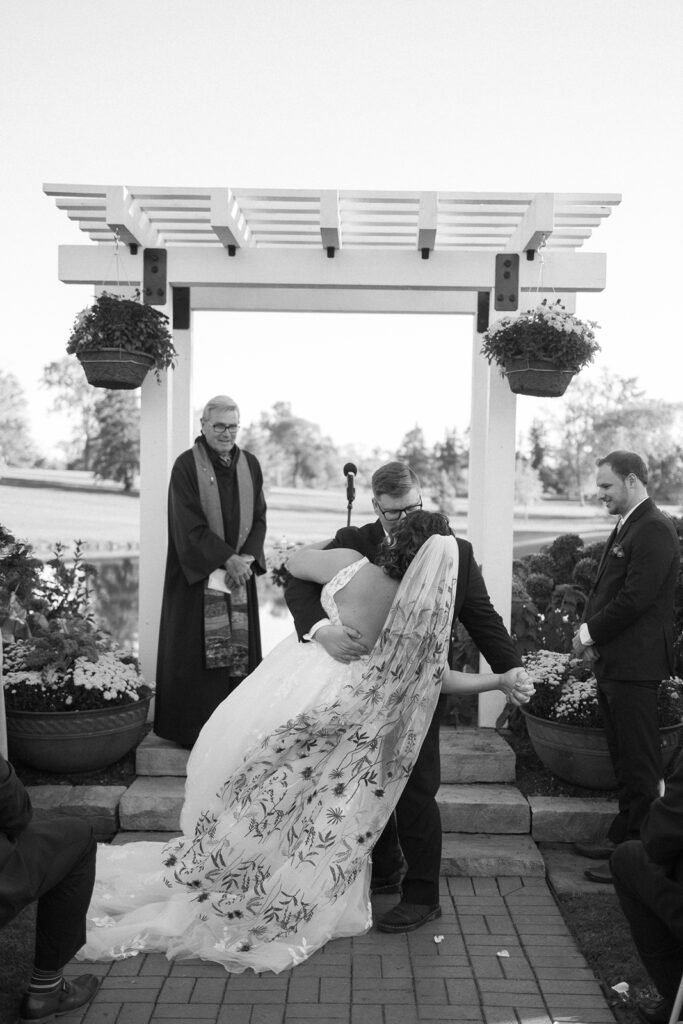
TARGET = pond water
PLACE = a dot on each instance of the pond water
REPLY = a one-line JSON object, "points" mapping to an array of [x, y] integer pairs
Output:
{"points": [[115, 602]]}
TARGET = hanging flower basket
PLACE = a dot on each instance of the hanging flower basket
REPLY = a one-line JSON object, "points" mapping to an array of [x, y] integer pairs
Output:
{"points": [[113, 368], [541, 350], [119, 340], [538, 377]]}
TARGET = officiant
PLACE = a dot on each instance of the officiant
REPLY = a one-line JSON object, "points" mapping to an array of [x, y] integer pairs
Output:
{"points": [[209, 638]]}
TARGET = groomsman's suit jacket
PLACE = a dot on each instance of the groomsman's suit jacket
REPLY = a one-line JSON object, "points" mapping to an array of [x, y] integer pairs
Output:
{"points": [[629, 612], [472, 603]]}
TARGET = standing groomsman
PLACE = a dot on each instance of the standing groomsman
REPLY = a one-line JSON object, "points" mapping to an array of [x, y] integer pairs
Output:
{"points": [[627, 636]]}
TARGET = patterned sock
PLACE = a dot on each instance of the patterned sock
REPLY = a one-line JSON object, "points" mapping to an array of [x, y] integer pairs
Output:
{"points": [[44, 983]]}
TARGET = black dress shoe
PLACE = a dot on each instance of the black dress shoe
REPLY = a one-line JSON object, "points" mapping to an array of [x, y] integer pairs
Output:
{"points": [[596, 851], [390, 884], [602, 874], [72, 994], [655, 1011], [406, 917]]}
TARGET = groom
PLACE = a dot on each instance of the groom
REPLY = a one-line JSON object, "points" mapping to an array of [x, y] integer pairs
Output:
{"points": [[414, 832]]}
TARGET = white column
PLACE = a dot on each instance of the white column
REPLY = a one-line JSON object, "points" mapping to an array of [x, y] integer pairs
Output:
{"points": [[491, 493], [156, 458], [182, 427]]}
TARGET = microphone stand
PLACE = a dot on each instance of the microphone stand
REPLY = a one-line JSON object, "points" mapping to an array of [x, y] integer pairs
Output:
{"points": [[350, 474]]}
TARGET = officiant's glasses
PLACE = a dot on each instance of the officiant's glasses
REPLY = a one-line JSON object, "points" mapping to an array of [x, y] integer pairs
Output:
{"points": [[220, 428], [392, 515]]}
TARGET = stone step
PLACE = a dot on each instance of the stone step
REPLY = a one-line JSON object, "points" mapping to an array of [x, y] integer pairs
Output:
{"points": [[483, 808], [463, 855], [570, 819], [154, 803], [98, 804], [475, 755], [467, 756], [490, 856]]}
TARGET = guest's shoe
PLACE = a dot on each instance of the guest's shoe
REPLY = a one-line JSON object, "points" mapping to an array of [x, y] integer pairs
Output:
{"points": [[596, 851], [71, 994], [655, 1011], [406, 917], [599, 874], [390, 884]]}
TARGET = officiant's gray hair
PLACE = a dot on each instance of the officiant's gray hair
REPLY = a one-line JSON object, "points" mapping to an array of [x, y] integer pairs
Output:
{"points": [[623, 463], [220, 402]]}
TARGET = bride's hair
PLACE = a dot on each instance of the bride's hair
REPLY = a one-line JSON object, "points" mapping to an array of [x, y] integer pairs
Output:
{"points": [[400, 547]]}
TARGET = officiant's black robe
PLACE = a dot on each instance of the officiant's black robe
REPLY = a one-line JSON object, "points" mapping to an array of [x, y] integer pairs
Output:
{"points": [[186, 692]]}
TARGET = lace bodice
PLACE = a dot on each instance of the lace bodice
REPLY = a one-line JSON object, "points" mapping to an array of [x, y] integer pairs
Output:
{"points": [[337, 583]]}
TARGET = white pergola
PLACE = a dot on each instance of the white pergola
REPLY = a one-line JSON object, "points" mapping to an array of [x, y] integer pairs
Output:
{"points": [[345, 251]]}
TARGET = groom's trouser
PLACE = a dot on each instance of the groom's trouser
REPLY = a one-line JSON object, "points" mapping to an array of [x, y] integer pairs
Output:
{"points": [[651, 898], [415, 828]]}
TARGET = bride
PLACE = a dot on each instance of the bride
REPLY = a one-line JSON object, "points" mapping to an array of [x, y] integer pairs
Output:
{"points": [[294, 776]]}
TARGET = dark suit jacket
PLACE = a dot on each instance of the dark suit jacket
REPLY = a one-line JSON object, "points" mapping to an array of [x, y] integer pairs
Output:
{"points": [[662, 831], [630, 608], [15, 816], [472, 603]]}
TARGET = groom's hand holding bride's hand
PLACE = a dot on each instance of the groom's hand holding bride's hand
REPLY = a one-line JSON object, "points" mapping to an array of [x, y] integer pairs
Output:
{"points": [[341, 642], [517, 686]]}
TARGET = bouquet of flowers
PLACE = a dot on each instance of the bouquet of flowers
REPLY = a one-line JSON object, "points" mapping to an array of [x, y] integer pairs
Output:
{"points": [[567, 692], [276, 559]]}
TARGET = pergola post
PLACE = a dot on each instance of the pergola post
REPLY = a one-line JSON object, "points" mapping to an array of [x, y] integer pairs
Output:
{"points": [[490, 517]]}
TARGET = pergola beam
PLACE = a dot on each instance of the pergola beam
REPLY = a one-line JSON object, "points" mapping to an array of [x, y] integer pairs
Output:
{"points": [[461, 270], [125, 219], [535, 226], [427, 222], [330, 229], [227, 220]]}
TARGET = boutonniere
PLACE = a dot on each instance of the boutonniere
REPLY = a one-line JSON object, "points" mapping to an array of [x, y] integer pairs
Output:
{"points": [[616, 551]]}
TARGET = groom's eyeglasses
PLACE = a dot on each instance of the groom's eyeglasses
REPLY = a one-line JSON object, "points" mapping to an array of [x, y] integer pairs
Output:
{"points": [[221, 428], [392, 515]]}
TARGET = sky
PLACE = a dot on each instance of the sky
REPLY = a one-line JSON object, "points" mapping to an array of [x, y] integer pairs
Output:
{"points": [[458, 95]]}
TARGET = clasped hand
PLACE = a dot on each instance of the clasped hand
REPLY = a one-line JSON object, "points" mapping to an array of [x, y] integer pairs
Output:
{"points": [[238, 569], [517, 686], [342, 643]]}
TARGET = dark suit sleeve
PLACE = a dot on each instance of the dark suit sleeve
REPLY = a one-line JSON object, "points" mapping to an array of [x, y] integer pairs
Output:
{"points": [[303, 597], [651, 553], [480, 618], [15, 805], [662, 830]]}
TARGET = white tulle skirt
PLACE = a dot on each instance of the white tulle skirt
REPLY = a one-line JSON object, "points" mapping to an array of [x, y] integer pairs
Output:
{"points": [[138, 905]]}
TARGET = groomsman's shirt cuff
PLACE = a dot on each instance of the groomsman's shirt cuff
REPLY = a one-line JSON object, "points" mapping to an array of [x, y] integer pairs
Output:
{"points": [[584, 635], [314, 629]]}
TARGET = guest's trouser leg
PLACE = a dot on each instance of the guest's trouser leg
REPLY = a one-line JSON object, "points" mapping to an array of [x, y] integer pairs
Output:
{"points": [[653, 906], [629, 711], [63, 886]]}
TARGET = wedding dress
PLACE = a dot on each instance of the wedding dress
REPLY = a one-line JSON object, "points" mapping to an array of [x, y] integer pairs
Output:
{"points": [[289, 785]]}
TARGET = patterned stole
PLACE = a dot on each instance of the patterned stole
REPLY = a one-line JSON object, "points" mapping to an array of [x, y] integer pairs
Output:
{"points": [[226, 622]]}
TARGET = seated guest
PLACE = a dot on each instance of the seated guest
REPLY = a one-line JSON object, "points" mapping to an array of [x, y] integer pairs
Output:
{"points": [[648, 877], [53, 862]]}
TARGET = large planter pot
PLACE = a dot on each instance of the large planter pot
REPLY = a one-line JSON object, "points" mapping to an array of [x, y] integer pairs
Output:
{"points": [[538, 377], [75, 741], [115, 368], [579, 755]]}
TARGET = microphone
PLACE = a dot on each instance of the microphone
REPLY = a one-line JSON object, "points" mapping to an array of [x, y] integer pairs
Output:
{"points": [[350, 473]]}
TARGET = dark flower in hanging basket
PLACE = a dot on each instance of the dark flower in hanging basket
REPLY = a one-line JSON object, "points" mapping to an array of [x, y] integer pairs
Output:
{"points": [[540, 351], [118, 340]]}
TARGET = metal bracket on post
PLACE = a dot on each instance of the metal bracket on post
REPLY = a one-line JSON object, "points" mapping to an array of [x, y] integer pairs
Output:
{"points": [[506, 290], [483, 307], [154, 277]]}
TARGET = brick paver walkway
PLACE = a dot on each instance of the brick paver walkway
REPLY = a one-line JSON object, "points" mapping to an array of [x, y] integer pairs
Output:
{"points": [[505, 957]]}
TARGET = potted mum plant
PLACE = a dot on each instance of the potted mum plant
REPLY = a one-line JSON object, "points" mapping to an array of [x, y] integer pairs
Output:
{"points": [[565, 726], [119, 340], [74, 700], [541, 350]]}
